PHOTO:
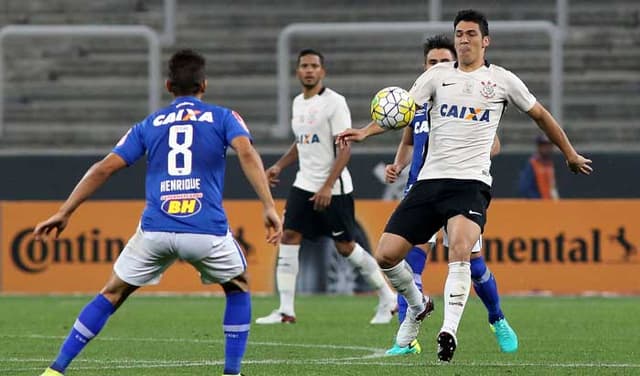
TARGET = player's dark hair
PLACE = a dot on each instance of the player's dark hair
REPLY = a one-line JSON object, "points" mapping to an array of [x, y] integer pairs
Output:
{"points": [[471, 15], [439, 41], [186, 72], [311, 51]]}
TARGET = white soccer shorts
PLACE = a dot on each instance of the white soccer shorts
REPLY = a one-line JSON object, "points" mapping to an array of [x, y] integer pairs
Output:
{"points": [[148, 254]]}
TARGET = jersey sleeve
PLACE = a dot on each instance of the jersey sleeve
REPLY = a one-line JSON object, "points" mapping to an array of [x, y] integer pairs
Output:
{"points": [[340, 118], [423, 88], [518, 93], [235, 126], [131, 146]]}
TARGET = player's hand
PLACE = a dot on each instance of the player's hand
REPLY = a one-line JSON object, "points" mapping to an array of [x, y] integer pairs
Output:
{"points": [[273, 224], [580, 164], [57, 221], [273, 173], [391, 173], [322, 199], [350, 135]]}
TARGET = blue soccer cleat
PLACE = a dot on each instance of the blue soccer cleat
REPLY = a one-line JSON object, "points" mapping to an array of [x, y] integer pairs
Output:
{"points": [[413, 348], [505, 335]]}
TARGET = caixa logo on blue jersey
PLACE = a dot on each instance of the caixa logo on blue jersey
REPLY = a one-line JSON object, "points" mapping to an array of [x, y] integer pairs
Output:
{"points": [[464, 112], [184, 205]]}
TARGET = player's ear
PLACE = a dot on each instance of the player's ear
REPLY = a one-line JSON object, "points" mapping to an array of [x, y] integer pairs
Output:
{"points": [[203, 86], [167, 85], [486, 41]]}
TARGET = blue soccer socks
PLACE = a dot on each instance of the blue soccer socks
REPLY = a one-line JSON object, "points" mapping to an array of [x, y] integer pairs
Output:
{"points": [[236, 323], [88, 324], [486, 288]]}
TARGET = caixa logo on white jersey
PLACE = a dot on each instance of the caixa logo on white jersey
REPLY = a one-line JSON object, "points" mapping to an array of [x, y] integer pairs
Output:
{"points": [[182, 205], [464, 112]]}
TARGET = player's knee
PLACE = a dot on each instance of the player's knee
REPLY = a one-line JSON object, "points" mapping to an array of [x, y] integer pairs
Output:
{"points": [[459, 252], [386, 260], [291, 237], [236, 284], [344, 248]]}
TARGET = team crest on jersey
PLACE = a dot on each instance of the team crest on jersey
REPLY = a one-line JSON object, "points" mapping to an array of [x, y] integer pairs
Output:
{"points": [[488, 89], [181, 205]]}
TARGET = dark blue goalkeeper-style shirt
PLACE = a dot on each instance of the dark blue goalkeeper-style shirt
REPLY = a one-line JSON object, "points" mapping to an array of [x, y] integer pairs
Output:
{"points": [[186, 144]]}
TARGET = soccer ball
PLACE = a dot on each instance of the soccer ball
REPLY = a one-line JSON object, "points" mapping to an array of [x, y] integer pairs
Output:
{"points": [[393, 108]]}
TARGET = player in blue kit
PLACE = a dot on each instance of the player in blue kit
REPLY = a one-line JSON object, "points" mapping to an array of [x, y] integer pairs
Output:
{"points": [[412, 152], [185, 144]]}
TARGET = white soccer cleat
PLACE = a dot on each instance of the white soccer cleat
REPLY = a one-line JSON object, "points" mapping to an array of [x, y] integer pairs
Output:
{"points": [[384, 312], [410, 327], [276, 317]]}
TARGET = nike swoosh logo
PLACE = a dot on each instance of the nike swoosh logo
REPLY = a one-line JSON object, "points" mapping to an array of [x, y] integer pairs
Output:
{"points": [[337, 233], [448, 84], [475, 213], [455, 295]]}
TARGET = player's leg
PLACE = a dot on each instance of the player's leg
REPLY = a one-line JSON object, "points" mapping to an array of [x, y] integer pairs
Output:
{"points": [[485, 286], [219, 259], [463, 233], [298, 217], [236, 323], [142, 262], [91, 320], [416, 259], [466, 204], [339, 219], [412, 222]]}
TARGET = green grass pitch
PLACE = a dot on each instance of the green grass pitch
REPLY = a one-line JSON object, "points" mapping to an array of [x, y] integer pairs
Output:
{"points": [[153, 335]]}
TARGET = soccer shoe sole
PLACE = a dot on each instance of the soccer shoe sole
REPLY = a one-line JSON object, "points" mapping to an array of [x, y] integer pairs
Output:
{"points": [[446, 346]]}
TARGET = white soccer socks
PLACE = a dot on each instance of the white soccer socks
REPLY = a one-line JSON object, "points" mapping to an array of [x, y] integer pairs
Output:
{"points": [[286, 274], [456, 292], [401, 278], [368, 267]]}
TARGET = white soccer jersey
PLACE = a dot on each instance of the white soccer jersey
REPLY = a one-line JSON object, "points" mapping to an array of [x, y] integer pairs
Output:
{"points": [[315, 122], [466, 109]]}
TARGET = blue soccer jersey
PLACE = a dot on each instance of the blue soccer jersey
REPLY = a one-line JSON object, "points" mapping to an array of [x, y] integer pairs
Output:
{"points": [[420, 125], [186, 146]]}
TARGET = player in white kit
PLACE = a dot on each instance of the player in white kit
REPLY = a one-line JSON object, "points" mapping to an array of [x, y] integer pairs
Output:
{"points": [[320, 201], [467, 99]]}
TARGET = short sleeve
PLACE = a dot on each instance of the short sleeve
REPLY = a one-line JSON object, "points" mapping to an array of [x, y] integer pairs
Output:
{"points": [[235, 126], [518, 93], [131, 146], [423, 88], [340, 118]]}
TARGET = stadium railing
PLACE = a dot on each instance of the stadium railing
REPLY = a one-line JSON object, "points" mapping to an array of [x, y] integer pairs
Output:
{"points": [[151, 36]]}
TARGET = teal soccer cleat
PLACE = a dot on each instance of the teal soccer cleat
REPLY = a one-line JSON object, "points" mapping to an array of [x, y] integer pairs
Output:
{"points": [[506, 337], [413, 348]]}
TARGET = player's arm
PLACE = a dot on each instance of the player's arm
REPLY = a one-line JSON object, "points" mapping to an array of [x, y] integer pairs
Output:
{"points": [[403, 156], [576, 162], [289, 157], [495, 147], [93, 179], [359, 134], [322, 198], [253, 169]]}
